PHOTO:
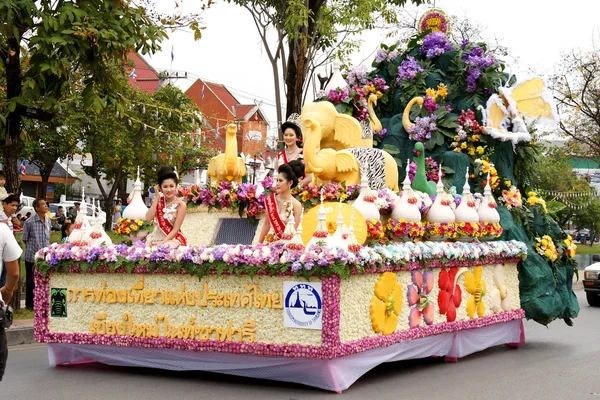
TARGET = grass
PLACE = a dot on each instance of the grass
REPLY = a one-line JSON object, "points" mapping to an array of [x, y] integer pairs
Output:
{"points": [[587, 249], [23, 313]]}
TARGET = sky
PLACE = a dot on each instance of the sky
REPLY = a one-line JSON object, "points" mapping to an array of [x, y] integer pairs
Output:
{"points": [[230, 51]]}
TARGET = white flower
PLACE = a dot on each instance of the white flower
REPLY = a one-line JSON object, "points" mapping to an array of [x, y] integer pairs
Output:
{"points": [[247, 252], [266, 250]]}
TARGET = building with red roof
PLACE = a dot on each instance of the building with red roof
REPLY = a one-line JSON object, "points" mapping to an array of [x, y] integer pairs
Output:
{"points": [[221, 108]]}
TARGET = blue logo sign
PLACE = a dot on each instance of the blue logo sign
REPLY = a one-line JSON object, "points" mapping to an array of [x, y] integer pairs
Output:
{"points": [[303, 307]]}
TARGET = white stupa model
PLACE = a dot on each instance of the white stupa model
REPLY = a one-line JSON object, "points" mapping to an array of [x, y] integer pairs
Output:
{"points": [[340, 236], [365, 204], [136, 209], [81, 227], [321, 235], [441, 209], [98, 236], [466, 210], [296, 243], [407, 206]]}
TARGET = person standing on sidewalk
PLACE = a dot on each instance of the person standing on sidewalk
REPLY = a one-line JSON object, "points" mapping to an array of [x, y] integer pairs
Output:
{"points": [[36, 235], [10, 251], [8, 217]]}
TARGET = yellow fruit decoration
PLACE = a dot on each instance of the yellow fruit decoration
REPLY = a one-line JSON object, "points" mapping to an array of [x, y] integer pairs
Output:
{"points": [[476, 287], [309, 221], [386, 304]]}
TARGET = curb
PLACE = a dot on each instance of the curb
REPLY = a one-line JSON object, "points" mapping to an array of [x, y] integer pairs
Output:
{"points": [[19, 335]]}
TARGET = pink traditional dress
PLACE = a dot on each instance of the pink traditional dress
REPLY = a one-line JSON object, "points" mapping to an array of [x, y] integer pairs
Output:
{"points": [[277, 219], [165, 218]]}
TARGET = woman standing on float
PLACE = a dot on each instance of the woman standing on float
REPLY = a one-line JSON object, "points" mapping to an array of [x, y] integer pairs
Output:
{"points": [[292, 137], [280, 206], [168, 210]]}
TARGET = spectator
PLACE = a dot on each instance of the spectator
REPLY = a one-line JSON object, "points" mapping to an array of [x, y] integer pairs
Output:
{"points": [[71, 214], [60, 215], [3, 193], [66, 230], [7, 216], [26, 217], [10, 251], [36, 235]]}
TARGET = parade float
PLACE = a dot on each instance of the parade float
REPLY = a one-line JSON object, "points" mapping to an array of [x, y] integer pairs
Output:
{"points": [[448, 263]]}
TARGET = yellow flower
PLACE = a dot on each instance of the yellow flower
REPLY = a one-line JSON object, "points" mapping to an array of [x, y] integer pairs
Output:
{"points": [[471, 151], [139, 222], [128, 231], [134, 227], [442, 90], [476, 287], [386, 304], [458, 150], [507, 183], [431, 93], [463, 145], [480, 150], [475, 138]]}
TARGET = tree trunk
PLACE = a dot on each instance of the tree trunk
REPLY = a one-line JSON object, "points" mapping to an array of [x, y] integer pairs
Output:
{"points": [[294, 79], [45, 174], [12, 142]]}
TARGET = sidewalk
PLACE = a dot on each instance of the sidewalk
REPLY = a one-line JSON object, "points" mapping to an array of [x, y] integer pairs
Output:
{"points": [[21, 332]]}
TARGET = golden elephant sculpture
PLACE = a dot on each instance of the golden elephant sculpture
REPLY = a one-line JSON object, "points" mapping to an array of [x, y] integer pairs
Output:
{"points": [[340, 131], [327, 164], [227, 166]]}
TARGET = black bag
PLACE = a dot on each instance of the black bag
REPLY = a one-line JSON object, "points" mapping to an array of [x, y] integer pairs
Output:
{"points": [[6, 317]]}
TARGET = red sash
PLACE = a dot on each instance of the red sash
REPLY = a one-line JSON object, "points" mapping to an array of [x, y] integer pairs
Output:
{"points": [[164, 223], [276, 223], [283, 157]]}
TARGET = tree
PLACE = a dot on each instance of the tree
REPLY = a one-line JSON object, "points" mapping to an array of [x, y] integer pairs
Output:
{"points": [[45, 143], [155, 129], [568, 197], [305, 29], [63, 38], [576, 85]]}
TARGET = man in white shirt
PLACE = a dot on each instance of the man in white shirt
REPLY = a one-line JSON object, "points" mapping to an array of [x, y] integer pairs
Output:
{"points": [[10, 251]]}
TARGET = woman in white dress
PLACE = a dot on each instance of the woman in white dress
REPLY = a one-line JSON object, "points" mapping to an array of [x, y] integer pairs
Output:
{"points": [[167, 210], [281, 205], [292, 137]]}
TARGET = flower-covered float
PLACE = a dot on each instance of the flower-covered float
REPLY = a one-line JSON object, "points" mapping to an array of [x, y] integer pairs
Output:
{"points": [[371, 275]]}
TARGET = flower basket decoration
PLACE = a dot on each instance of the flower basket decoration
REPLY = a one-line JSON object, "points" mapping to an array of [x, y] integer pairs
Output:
{"points": [[133, 228], [438, 231], [403, 230], [470, 230]]}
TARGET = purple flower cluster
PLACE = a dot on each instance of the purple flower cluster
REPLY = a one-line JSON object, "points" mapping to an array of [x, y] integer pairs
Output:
{"points": [[430, 104], [408, 69], [477, 58], [380, 84], [385, 55], [473, 75], [338, 95], [381, 134], [357, 76], [431, 170], [422, 128], [477, 61], [435, 44]]}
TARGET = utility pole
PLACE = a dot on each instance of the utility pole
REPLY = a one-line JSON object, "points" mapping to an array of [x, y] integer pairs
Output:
{"points": [[164, 76]]}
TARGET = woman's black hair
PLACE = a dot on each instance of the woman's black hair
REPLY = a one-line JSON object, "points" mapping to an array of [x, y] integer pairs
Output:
{"points": [[166, 172], [64, 229], [296, 128], [292, 171]]}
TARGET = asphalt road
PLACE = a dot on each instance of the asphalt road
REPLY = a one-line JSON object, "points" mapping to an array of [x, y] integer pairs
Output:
{"points": [[555, 363]]}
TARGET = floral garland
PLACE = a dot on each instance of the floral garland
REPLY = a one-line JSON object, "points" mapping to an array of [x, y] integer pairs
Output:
{"points": [[469, 229], [127, 226], [445, 230], [546, 248], [375, 231], [405, 229], [271, 259], [570, 247], [491, 229]]}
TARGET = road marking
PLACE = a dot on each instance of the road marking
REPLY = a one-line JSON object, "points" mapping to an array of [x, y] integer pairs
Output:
{"points": [[26, 347]]}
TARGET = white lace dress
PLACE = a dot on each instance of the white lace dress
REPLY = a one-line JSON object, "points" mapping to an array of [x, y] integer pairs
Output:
{"points": [[157, 235]]}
